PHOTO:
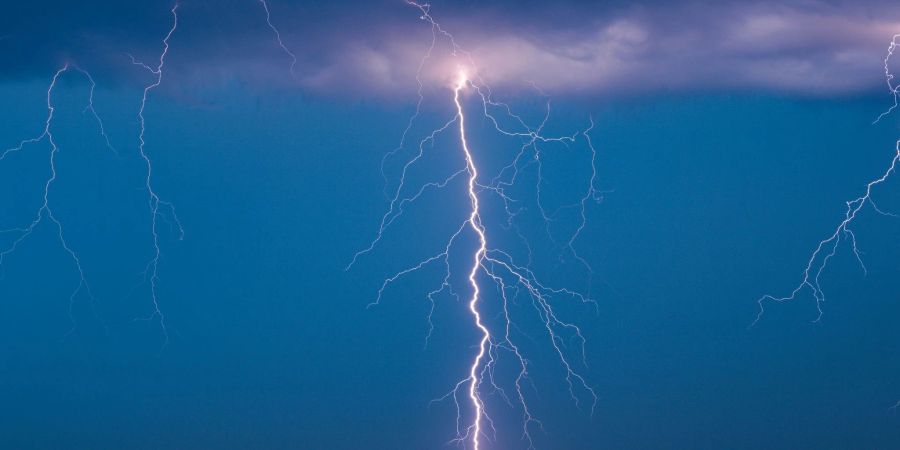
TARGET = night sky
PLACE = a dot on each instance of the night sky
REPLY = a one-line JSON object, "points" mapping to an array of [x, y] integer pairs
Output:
{"points": [[728, 139]]}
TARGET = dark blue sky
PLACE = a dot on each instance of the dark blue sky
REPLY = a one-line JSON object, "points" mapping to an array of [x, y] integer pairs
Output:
{"points": [[718, 192]]}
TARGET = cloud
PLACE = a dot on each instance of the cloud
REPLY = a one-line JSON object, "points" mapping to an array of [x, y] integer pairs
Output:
{"points": [[373, 48], [807, 48]]}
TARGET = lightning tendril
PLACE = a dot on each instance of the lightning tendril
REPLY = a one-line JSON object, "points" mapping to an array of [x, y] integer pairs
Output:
{"points": [[154, 201], [828, 247], [46, 212], [277, 34]]}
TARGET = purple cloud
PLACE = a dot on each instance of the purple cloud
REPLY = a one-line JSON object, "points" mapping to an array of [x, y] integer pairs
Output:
{"points": [[805, 48]]}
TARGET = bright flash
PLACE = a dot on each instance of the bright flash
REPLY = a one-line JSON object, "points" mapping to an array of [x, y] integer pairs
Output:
{"points": [[461, 80]]}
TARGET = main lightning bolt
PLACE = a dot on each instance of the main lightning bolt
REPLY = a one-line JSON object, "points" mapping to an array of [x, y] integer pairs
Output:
{"points": [[477, 226], [828, 247], [488, 263]]}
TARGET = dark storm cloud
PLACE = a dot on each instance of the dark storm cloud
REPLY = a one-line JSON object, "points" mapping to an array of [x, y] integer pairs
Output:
{"points": [[807, 47]]}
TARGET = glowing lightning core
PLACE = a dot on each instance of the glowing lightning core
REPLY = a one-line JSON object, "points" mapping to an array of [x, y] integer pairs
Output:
{"points": [[478, 228]]}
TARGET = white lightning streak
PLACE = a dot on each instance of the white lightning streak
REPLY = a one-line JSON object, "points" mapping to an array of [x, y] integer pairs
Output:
{"points": [[828, 247], [45, 209], [478, 228], [154, 200], [278, 40]]}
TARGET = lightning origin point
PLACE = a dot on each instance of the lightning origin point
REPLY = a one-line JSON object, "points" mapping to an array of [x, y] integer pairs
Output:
{"points": [[461, 79]]}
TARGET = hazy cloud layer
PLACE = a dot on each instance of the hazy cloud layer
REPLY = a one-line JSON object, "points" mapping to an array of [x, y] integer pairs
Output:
{"points": [[800, 47]]}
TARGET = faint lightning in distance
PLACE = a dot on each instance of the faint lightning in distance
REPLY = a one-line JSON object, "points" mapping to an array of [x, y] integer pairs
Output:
{"points": [[828, 247], [46, 210], [154, 201], [277, 34], [159, 209], [490, 264]]}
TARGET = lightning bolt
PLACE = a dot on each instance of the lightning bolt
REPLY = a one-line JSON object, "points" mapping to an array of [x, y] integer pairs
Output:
{"points": [[158, 208], [277, 34], [489, 264], [828, 247], [45, 211], [477, 226], [154, 201]]}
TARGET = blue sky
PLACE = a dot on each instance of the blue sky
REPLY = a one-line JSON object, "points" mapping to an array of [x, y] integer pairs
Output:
{"points": [[719, 179]]}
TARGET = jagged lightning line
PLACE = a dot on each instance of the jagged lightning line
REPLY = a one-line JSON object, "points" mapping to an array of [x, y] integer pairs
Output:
{"points": [[828, 247], [478, 228], [278, 40], [889, 78], [45, 210], [509, 278], [154, 201]]}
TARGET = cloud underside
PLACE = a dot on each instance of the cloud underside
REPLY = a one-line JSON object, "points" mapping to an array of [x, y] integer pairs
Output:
{"points": [[813, 50], [803, 47]]}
